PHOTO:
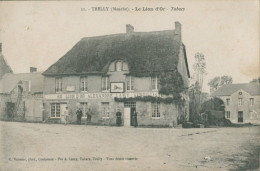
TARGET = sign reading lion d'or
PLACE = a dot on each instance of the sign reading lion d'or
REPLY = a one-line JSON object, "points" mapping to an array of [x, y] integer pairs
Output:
{"points": [[100, 95]]}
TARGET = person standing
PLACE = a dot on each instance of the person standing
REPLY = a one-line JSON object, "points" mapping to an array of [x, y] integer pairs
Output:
{"points": [[118, 118], [134, 117], [79, 115], [89, 116], [66, 115]]}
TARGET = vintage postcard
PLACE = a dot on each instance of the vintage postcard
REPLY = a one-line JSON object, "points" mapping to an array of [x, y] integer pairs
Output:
{"points": [[129, 85]]}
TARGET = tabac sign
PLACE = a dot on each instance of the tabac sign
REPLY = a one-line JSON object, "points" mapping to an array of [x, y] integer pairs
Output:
{"points": [[99, 95]]}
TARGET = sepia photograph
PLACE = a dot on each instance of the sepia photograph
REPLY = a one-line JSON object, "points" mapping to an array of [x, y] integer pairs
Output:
{"points": [[129, 85]]}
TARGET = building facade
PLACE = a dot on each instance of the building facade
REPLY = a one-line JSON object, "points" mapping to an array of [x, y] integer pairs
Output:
{"points": [[119, 72], [21, 97], [242, 102]]}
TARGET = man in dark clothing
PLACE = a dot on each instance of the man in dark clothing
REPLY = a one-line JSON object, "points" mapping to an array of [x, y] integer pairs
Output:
{"points": [[118, 118], [79, 115]]}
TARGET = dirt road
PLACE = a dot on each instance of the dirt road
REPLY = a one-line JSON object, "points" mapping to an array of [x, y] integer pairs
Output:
{"points": [[32, 146]]}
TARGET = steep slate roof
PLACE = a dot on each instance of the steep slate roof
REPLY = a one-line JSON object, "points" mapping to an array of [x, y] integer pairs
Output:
{"points": [[4, 67], [228, 89], [10, 81], [145, 53]]}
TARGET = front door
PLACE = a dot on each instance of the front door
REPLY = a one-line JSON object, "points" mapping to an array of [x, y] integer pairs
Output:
{"points": [[62, 109], [10, 110], [132, 106], [240, 116], [127, 114]]}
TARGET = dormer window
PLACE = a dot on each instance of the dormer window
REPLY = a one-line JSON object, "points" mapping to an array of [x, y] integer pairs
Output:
{"points": [[129, 83], [155, 83], [119, 66]]}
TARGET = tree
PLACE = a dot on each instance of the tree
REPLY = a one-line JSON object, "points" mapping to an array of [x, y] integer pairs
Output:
{"points": [[217, 82], [200, 69], [194, 103], [255, 80], [212, 104], [195, 89], [207, 109], [225, 80]]}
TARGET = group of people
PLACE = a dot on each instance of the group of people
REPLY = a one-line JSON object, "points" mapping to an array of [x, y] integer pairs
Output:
{"points": [[79, 115]]}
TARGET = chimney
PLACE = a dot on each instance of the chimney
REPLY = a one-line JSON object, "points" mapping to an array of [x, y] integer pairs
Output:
{"points": [[129, 28], [0, 47], [33, 69], [177, 31]]}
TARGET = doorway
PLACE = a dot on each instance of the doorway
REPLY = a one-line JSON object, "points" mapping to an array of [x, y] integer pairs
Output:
{"points": [[10, 110], [132, 107], [127, 116], [62, 109], [240, 116]]}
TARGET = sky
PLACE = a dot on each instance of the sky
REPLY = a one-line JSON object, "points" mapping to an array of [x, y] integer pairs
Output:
{"points": [[38, 33]]}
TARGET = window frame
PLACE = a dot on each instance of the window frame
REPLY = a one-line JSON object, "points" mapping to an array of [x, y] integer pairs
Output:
{"points": [[28, 83], [156, 113], [240, 102], [85, 83], [228, 114], [84, 108], [129, 83], [155, 83], [55, 110], [106, 87], [252, 101], [120, 66], [58, 84], [105, 108]]}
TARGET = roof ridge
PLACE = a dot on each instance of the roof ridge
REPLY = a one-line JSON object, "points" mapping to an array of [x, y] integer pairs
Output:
{"points": [[117, 34]]}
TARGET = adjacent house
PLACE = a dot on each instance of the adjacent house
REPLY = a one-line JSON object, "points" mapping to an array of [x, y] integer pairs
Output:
{"points": [[132, 71], [242, 102], [21, 96]]}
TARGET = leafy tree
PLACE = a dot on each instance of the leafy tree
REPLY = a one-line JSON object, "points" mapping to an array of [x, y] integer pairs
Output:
{"points": [[217, 82], [255, 80], [214, 83], [194, 102], [195, 89], [212, 104], [225, 80], [200, 68]]}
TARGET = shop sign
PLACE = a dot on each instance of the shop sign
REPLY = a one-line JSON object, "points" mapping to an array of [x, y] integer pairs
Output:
{"points": [[99, 95]]}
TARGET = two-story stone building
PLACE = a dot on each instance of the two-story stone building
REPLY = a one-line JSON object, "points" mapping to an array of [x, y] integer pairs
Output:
{"points": [[242, 102], [120, 71]]}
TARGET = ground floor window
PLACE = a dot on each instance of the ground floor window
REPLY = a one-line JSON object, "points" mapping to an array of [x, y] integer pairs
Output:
{"points": [[228, 114], [55, 110], [105, 109], [155, 110], [84, 108]]}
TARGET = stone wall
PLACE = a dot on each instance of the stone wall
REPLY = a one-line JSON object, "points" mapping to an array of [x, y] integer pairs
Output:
{"points": [[168, 113]]}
